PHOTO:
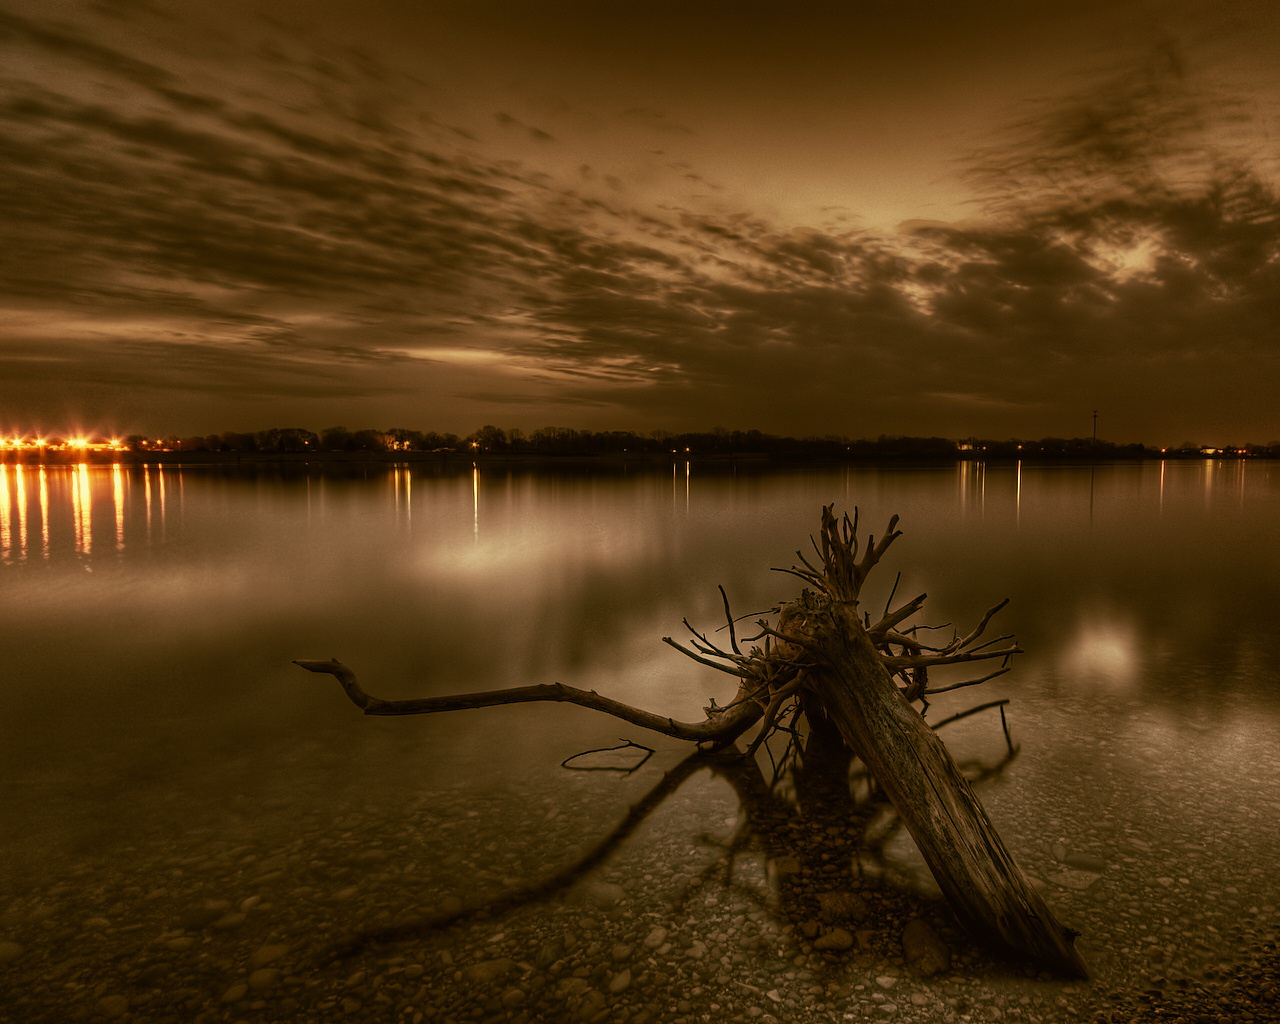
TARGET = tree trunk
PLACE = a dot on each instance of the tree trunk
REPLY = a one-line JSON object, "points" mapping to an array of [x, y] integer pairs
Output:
{"points": [[985, 887]]}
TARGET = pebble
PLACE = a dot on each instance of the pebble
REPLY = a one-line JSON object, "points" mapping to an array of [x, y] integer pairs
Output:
{"points": [[236, 992], [843, 907], [662, 951], [201, 915], [488, 971], [925, 953], [113, 1005], [264, 955], [655, 938], [621, 981], [836, 939], [1085, 862], [263, 978]]}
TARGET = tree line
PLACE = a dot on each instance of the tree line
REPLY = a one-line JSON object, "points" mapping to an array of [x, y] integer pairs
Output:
{"points": [[567, 441]]}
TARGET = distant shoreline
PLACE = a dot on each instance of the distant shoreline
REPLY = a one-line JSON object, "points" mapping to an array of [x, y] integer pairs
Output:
{"points": [[463, 458]]}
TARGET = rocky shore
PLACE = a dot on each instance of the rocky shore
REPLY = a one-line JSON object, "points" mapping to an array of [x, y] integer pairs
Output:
{"points": [[676, 925]]}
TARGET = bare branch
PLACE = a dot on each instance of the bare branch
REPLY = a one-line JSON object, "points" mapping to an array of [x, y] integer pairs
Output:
{"points": [[771, 714], [875, 552], [929, 660], [733, 633], [624, 745], [721, 729], [701, 660], [977, 632], [808, 577], [891, 619], [889, 600], [930, 691], [972, 711]]}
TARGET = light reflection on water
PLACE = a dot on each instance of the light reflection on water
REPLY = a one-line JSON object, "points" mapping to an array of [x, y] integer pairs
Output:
{"points": [[158, 610]]}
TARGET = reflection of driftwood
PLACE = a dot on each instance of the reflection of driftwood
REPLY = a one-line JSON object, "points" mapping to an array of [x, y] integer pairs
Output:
{"points": [[854, 681], [428, 922], [766, 826]]}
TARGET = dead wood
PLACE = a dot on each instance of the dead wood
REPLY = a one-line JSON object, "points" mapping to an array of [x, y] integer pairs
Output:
{"points": [[824, 662]]}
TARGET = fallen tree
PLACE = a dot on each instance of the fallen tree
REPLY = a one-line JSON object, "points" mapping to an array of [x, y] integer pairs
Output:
{"points": [[825, 665]]}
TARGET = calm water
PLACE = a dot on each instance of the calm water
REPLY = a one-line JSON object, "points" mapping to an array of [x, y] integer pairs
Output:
{"points": [[148, 619]]}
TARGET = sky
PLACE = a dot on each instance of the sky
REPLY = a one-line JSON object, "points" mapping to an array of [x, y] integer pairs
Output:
{"points": [[857, 218]]}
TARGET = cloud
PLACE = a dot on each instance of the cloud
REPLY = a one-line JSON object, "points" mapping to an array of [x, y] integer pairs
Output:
{"points": [[173, 235]]}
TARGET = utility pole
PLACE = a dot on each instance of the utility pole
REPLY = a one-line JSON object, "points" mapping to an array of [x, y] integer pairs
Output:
{"points": [[1095, 428]]}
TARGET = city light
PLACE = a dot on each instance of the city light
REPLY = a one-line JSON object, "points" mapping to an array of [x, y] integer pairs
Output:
{"points": [[79, 443]]}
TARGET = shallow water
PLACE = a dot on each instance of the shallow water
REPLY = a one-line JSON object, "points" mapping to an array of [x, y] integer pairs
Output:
{"points": [[159, 749]]}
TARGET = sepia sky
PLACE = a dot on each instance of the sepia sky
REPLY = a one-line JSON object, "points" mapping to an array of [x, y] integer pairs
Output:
{"points": [[851, 218]]}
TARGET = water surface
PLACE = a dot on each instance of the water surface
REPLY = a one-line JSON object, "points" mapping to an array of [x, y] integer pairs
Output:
{"points": [[155, 731]]}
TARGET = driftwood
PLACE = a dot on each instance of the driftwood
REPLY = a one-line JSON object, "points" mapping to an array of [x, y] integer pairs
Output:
{"points": [[823, 663]]}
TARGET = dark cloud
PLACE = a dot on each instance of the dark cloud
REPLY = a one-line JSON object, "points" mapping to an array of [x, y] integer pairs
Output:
{"points": [[169, 237]]}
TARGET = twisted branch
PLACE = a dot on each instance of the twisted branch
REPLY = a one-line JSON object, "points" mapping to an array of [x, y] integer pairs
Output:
{"points": [[720, 728]]}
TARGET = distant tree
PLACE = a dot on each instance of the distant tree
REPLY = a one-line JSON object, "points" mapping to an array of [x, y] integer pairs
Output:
{"points": [[234, 442], [489, 439], [335, 439], [369, 441], [402, 439]]}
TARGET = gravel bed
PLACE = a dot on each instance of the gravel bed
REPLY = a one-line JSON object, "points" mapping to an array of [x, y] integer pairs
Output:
{"points": [[673, 926]]}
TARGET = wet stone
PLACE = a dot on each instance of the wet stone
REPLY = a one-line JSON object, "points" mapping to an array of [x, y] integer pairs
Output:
{"points": [[620, 981], [926, 954], [655, 938], [264, 955], [488, 971], [1073, 878], [236, 992], [201, 915], [842, 907], [1085, 862], [113, 1006], [835, 940], [263, 978]]}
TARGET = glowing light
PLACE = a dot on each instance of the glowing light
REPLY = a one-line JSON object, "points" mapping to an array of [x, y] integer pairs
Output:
{"points": [[117, 494], [44, 512], [22, 509], [1103, 651], [4, 512], [82, 508]]}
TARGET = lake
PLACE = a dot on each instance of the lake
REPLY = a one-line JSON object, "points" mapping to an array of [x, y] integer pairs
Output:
{"points": [[189, 818]]}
